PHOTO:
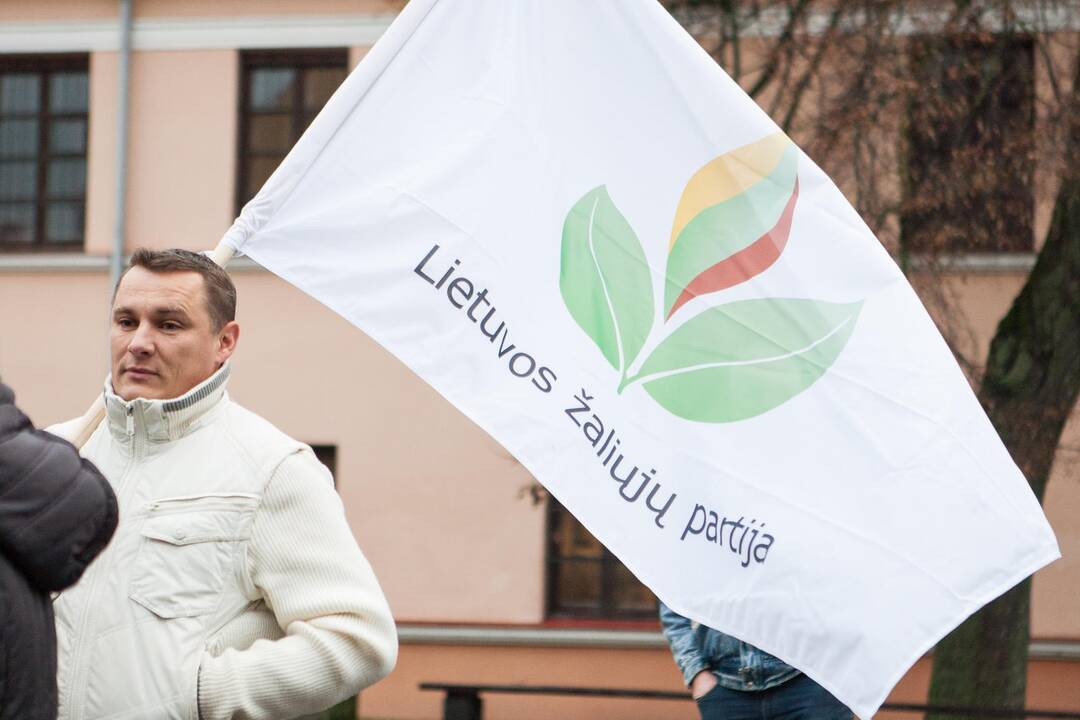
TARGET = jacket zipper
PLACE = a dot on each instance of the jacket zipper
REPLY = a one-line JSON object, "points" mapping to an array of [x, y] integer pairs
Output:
{"points": [[80, 666]]}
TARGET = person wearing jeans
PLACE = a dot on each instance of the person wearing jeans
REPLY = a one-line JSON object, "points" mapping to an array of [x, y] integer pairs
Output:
{"points": [[733, 680]]}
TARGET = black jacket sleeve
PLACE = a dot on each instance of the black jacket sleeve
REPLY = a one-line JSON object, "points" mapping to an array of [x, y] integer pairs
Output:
{"points": [[57, 511]]}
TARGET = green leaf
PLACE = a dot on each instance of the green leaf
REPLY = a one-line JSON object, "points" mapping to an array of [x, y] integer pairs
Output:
{"points": [[605, 279], [739, 360], [730, 226]]}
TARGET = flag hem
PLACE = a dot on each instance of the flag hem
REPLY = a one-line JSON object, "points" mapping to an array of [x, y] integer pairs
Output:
{"points": [[1039, 559]]}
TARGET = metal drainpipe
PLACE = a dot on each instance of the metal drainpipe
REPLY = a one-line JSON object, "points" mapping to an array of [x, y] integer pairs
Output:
{"points": [[116, 261]]}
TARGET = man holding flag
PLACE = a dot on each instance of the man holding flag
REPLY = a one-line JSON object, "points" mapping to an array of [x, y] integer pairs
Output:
{"points": [[233, 586]]}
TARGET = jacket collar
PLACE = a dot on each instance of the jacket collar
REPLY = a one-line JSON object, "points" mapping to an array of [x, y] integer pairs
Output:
{"points": [[163, 420]]}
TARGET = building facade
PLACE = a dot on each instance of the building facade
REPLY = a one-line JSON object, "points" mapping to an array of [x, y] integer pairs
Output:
{"points": [[490, 581]]}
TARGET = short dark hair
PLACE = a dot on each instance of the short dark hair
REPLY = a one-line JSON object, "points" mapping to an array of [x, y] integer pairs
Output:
{"points": [[220, 291]]}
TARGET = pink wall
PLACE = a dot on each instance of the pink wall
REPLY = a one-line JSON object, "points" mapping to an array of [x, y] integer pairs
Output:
{"points": [[181, 148], [1055, 602], [182, 151], [101, 153], [52, 341], [207, 8], [10, 10]]}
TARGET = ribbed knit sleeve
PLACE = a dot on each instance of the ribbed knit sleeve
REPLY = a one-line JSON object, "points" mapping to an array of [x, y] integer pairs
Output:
{"points": [[339, 635]]}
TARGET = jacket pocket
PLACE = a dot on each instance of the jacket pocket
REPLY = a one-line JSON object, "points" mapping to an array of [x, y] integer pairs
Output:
{"points": [[721, 652], [188, 552]]}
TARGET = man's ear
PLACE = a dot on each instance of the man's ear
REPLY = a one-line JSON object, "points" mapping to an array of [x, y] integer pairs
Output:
{"points": [[228, 336]]}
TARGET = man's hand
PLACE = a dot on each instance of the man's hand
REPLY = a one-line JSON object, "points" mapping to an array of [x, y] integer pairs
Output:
{"points": [[702, 683]]}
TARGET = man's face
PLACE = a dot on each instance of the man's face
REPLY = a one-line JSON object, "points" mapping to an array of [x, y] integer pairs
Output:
{"points": [[162, 338]]}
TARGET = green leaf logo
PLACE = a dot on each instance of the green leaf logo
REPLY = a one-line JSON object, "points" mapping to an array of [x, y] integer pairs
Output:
{"points": [[739, 360], [605, 279], [730, 362]]}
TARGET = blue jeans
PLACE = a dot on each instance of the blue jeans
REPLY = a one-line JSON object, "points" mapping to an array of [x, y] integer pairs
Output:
{"points": [[797, 699]]}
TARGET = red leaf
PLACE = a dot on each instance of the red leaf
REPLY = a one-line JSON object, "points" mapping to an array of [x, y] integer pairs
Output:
{"points": [[745, 264]]}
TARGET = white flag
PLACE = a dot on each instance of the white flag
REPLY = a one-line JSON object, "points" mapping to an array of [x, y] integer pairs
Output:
{"points": [[570, 222]]}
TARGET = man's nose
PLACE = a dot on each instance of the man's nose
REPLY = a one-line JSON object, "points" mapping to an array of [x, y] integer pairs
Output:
{"points": [[142, 341]]}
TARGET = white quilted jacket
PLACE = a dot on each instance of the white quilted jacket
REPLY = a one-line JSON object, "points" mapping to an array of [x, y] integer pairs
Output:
{"points": [[233, 586]]}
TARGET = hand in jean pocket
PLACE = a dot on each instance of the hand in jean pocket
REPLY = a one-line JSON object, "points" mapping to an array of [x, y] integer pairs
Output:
{"points": [[702, 683]]}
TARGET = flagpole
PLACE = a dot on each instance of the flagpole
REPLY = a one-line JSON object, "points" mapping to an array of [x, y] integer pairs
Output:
{"points": [[93, 416]]}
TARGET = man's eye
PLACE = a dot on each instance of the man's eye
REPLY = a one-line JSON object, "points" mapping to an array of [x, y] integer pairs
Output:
{"points": [[126, 323], [169, 325]]}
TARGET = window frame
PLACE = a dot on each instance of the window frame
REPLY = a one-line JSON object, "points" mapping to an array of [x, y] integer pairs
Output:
{"points": [[297, 59], [45, 66], [607, 611]]}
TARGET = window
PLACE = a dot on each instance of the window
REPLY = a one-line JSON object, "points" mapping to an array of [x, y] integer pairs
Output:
{"points": [[43, 117], [281, 92], [585, 580], [970, 145]]}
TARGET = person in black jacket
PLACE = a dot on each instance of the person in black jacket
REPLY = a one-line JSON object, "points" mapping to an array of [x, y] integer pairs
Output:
{"points": [[57, 513]]}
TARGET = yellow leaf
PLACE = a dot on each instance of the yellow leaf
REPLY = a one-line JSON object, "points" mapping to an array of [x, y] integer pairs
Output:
{"points": [[727, 176]]}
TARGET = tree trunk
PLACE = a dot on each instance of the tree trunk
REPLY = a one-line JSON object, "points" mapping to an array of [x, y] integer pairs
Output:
{"points": [[1030, 387]]}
